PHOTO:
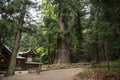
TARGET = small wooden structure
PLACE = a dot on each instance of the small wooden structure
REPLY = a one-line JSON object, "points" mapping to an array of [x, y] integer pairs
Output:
{"points": [[25, 60], [30, 60], [29, 55], [20, 63]]}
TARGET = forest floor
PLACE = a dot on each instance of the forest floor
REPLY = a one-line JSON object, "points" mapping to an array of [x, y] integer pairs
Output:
{"points": [[61, 74], [52, 72]]}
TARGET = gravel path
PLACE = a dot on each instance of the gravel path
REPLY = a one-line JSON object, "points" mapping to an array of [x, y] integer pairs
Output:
{"points": [[62, 74]]}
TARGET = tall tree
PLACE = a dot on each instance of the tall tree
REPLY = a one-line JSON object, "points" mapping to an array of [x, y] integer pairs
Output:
{"points": [[11, 68], [62, 55], [78, 14], [103, 30], [20, 13]]}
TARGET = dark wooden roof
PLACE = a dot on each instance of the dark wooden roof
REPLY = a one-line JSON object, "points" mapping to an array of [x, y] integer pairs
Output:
{"points": [[19, 55], [29, 52], [5, 51]]}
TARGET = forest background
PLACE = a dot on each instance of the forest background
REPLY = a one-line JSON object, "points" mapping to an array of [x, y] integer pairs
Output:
{"points": [[68, 30]]}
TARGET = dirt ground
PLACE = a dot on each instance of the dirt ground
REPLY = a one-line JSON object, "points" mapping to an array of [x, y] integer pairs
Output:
{"points": [[62, 74]]}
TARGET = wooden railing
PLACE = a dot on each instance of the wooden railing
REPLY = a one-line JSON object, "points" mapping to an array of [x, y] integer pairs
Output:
{"points": [[34, 67]]}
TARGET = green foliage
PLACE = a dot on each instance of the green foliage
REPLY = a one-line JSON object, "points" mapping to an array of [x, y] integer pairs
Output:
{"points": [[101, 27], [87, 23], [114, 66], [10, 12], [115, 63]]}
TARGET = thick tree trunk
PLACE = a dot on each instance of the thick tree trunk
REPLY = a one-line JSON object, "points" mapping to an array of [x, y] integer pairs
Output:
{"points": [[62, 55]]}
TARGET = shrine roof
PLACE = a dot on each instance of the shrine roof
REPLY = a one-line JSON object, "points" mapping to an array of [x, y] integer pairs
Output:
{"points": [[29, 52], [5, 50], [19, 56]]}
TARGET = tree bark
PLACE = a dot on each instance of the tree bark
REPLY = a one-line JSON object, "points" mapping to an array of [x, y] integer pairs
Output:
{"points": [[63, 56], [12, 64], [95, 51], [106, 55]]}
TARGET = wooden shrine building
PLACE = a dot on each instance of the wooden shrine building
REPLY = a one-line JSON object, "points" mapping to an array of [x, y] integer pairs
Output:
{"points": [[24, 58], [29, 55]]}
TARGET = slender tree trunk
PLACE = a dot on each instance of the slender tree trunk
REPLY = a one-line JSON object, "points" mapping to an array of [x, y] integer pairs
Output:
{"points": [[95, 52], [78, 30], [106, 55], [49, 57], [95, 30], [12, 64], [79, 34]]}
